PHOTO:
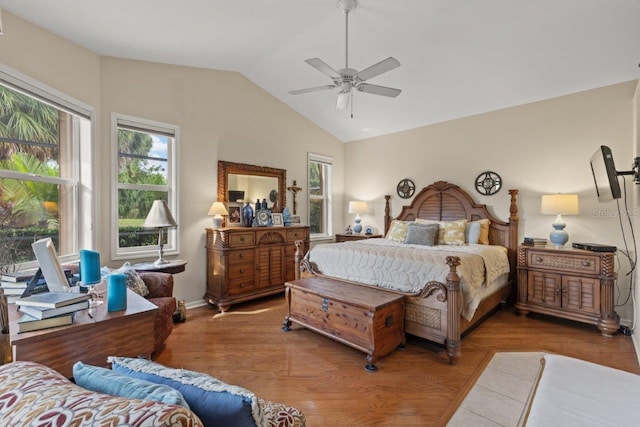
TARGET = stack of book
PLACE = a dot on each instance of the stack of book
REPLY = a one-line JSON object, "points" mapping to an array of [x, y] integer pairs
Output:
{"points": [[13, 284], [49, 309], [534, 241]]}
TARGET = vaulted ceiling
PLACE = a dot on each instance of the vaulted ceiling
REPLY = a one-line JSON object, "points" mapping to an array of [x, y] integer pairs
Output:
{"points": [[458, 57]]}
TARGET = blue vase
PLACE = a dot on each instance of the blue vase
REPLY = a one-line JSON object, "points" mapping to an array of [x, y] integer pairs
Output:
{"points": [[247, 214]]}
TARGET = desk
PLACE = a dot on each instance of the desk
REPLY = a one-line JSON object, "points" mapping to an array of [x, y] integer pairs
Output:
{"points": [[172, 267], [126, 333]]}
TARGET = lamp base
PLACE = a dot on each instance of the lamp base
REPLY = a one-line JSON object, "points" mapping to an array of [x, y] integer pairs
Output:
{"points": [[217, 221], [558, 236], [357, 227]]}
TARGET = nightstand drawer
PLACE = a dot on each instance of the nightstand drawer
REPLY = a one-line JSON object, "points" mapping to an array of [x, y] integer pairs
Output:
{"points": [[567, 263]]}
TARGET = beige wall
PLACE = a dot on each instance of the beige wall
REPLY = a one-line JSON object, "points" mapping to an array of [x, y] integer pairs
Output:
{"points": [[538, 148], [221, 115]]}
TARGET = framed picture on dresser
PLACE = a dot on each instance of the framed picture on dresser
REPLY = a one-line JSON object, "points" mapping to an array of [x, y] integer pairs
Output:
{"points": [[234, 219], [276, 219]]}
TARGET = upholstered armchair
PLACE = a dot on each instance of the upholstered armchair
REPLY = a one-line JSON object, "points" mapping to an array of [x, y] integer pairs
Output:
{"points": [[160, 287]]}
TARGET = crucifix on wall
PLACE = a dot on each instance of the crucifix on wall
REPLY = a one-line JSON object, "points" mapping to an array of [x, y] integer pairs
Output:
{"points": [[294, 189]]}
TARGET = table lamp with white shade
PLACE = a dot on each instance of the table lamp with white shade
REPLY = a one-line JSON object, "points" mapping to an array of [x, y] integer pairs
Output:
{"points": [[357, 207], [559, 204], [160, 217], [218, 210]]}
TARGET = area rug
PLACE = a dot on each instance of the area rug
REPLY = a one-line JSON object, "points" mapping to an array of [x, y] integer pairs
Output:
{"points": [[499, 394]]}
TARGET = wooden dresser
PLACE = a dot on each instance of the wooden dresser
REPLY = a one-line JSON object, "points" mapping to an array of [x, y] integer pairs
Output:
{"points": [[246, 263], [570, 283]]}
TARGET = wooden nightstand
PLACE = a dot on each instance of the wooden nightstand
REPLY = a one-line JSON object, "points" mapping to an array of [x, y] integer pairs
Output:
{"points": [[346, 237], [569, 283]]}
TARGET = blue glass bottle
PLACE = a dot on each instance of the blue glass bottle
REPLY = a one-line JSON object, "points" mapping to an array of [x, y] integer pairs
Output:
{"points": [[247, 215]]}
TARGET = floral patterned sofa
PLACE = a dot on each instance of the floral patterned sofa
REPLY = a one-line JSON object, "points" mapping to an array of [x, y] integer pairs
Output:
{"points": [[35, 395]]}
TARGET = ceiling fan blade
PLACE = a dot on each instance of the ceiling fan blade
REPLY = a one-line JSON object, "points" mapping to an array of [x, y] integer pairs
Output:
{"points": [[322, 66], [343, 99], [378, 90], [311, 89], [376, 69]]}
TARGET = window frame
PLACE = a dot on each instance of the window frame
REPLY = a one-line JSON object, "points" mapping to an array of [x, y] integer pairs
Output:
{"points": [[327, 163], [83, 174], [144, 125]]}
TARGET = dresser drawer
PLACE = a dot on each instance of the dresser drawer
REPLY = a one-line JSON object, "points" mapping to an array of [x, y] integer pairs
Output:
{"points": [[586, 263], [241, 286], [241, 256], [298, 234], [238, 240], [237, 271]]}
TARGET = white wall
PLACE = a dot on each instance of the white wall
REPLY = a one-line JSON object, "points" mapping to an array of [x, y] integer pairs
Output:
{"points": [[538, 148]]}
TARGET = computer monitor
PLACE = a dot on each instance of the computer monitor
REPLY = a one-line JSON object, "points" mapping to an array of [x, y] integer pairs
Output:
{"points": [[52, 271]]}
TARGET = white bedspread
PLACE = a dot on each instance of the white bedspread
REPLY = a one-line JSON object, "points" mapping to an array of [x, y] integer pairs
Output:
{"points": [[407, 268]]}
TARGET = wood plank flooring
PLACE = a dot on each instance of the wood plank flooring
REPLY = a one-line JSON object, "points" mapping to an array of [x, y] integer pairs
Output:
{"points": [[328, 382]]}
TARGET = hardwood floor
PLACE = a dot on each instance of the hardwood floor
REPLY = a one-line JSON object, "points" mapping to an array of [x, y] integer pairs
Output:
{"points": [[327, 380]]}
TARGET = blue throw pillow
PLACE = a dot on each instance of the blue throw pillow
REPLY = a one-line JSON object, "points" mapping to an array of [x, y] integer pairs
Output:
{"points": [[106, 381], [214, 402]]}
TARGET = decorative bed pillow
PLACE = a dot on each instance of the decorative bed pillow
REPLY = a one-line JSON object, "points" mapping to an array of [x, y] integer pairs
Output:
{"points": [[472, 232], [106, 381], [422, 234], [213, 401], [451, 232], [484, 231], [134, 281], [398, 231]]}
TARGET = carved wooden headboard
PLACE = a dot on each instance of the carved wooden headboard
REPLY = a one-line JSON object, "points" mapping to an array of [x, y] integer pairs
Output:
{"points": [[443, 201]]}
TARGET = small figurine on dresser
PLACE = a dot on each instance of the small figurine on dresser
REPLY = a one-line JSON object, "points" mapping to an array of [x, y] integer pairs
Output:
{"points": [[348, 230]]}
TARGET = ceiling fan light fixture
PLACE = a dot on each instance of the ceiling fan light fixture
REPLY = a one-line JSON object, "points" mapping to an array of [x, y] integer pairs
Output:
{"points": [[347, 79]]}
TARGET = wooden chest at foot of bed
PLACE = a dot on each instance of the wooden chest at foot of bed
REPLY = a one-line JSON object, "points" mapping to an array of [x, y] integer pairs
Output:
{"points": [[368, 319]]}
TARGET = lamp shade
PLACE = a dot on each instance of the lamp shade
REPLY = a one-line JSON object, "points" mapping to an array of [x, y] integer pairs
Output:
{"points": [[159, 216], [217, 208], [357, 207], [564, 204]]}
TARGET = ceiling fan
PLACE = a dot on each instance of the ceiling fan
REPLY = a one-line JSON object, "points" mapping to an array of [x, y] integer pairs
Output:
{"points": [[347, 79]]}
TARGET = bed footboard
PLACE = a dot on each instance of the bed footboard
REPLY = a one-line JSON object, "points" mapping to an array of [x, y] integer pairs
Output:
{"points": [[436, 318]]}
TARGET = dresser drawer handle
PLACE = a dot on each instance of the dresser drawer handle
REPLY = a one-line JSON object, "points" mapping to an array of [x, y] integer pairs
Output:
{"points": [[241, 270], [240, 255], [538, 259], [586, 263], [242, 238], [241, 285]]}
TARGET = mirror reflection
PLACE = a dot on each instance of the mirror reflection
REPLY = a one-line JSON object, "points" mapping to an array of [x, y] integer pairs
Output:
{"points": [[242, 183], [249, 188]]}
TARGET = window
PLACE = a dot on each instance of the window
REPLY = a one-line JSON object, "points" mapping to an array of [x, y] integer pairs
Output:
{"points": [[144, 170], [320, 195], [45, 170]]}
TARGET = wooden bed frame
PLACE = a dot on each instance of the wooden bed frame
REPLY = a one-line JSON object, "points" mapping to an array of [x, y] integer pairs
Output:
{"points": [[434, 314]]}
